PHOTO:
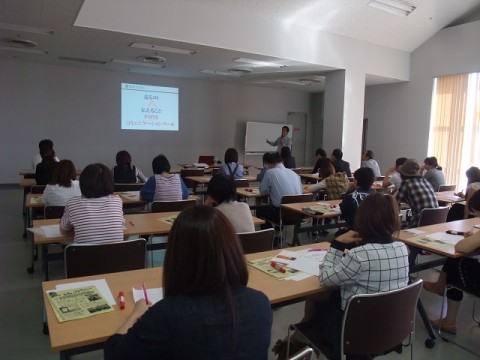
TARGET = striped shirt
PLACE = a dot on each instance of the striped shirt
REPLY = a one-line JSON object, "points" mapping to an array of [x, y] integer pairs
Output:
{"points": [[94, 219], [367, 269], [167, 188]]}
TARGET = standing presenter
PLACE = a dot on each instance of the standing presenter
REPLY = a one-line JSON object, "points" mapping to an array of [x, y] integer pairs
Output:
{"points": [[283, 140]]}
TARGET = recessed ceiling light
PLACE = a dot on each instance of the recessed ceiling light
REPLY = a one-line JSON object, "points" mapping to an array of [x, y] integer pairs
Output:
{"points": [[241, 71], [396, 7], [136, 63], [28, 29], [19, 43], [259, 63], [163, 48], [293, 82]]}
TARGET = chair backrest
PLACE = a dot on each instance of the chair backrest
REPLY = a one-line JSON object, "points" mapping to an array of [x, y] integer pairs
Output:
{"points": [[305, 354], [257, 241], [447, 188], [288, 216], [53, 212], [128, 187], [376, 323], [179, 205], [190, 172], [37, 189], [102, 258], [241, 183], [431, 216]]}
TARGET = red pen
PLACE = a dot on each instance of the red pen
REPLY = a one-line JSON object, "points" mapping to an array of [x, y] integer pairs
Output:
{"points": [[131, 223], [278, 267], [121, 299], [285, 257], [144, 287]]}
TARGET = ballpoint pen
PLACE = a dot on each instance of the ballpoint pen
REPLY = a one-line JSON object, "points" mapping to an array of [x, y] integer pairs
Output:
{"points": [[145, 295]]}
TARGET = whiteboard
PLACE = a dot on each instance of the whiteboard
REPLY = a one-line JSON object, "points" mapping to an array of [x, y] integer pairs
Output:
{"points": [[258, 132]]}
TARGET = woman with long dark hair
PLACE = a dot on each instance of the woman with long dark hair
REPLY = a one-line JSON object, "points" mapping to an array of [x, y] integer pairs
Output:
{"points": [[207, 311]]}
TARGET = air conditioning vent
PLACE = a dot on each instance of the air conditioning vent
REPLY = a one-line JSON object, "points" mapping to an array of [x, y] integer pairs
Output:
{"points": [[240, 71], [20, 43], [151, 59]]}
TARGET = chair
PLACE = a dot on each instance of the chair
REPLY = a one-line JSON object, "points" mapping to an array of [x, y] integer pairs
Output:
{"points": [[288, 217], [190, 172], [102, 258], [178, 205], [373, 324], [37, 189], [53, 212], [432, 216], [257, 241], [305, 354], [447, 188], [127, 187], [206, 159], [241, 183]]}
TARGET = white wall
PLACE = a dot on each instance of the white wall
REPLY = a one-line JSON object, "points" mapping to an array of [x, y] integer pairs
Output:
{"points": [[79, 109], [399, 114]]}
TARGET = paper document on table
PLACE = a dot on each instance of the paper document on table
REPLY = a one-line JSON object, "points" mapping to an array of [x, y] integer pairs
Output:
{"points": [[48, 231], [101, 285], [308, 261], [414, 231], [265, 265], [132, 195], [36, 200], [326, 208], [78, 303], [439, 241], [154, 294], [298, 277], [169, 219]]}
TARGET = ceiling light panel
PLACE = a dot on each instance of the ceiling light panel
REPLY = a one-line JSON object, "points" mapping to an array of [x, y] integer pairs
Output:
{"points": [[27, 29], [396, 7], [163, 48], [136, 63], [259, 63]]}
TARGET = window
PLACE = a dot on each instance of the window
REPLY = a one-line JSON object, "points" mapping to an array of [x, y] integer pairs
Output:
{"points": [[455, 125]]}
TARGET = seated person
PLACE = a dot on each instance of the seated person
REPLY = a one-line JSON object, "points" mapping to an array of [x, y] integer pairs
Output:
{"points": [[265, 161], [433, 172], [63, 186], [339, 164], [277, 182], [463, 272], [231, 167], [124, 172], [319, 154], [392, 176], [415, 190], [44, 170], [163, 186], [221, 194], [459, 211], [377, 263], [207, 310], [370, 162], [42, 146], [97, 215], [363, 180], [287, 158], [335, 184]]}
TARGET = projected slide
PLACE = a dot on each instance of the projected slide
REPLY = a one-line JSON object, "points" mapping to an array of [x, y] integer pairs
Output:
{"points": [[146, 107]]}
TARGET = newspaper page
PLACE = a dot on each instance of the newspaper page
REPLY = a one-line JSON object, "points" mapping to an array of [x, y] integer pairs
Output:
{"points": [[78, 303], [265, 266]]}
